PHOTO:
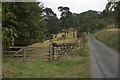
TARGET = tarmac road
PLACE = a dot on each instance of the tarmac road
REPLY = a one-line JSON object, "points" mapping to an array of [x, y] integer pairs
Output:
{"points": [[103, 60]]}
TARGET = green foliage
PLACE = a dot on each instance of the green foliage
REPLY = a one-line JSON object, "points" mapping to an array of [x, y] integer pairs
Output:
{"points": [[89, 21], [31, 26], [66, 20], [83, 51], [66, 17], [9, 35], [111, 13], [0, 12], [117, 14], [24, 20], [8, 26], [52, 22]]}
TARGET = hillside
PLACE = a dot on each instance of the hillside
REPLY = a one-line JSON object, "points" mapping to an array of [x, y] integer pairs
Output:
{"points": [[74, 64]]}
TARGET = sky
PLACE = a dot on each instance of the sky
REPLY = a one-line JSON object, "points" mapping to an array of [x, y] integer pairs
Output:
{"points": [[76, 6]]}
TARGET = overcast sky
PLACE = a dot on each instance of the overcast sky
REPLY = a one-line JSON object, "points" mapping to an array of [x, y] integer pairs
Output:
{"points": [[76, 6]]}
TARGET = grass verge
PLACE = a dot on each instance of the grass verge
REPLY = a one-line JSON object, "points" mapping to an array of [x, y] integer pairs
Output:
{"points": [[68, 67], [109, 37]]}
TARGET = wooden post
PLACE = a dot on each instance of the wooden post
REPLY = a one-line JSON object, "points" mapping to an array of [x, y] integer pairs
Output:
{"points": [[47, 58], [51, 51], [24, 56], [56, 53]]}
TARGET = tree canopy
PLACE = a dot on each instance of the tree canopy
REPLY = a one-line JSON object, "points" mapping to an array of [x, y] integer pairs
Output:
{"points": [[52, 21], [24, 23]]}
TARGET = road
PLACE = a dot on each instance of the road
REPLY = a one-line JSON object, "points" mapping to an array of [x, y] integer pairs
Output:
{"points": [[103, 60]]}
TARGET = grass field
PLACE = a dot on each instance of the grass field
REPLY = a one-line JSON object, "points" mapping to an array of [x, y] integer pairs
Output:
{"points": [[59, 39], [73, 65], [109, 37]]}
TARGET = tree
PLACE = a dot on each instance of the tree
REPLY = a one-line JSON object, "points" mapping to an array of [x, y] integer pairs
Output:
{"points": [[109, 13], [75, 23], [117, 13], [89, 21], [0, 12], [22, 23], [112, 12], [8, 26], [66, 18], [52, 22], [30, 28]]}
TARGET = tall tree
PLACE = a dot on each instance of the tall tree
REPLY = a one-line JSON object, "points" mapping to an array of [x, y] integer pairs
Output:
{"points": [[8, 26], [30, 27], [117, 13], [22, 23], [52, 22], [89, 21], [109, 13], [66, 18]]}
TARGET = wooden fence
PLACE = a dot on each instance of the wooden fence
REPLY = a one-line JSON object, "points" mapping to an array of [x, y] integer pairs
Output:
{"points": [[26, 53], [56, 51]]}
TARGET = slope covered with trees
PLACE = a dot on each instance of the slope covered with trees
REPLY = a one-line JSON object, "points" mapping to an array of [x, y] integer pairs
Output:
{"points": [[30, 22]]}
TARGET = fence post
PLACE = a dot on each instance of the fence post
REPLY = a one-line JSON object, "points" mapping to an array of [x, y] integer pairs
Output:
{"points": [[51, 51], [24, 56]]}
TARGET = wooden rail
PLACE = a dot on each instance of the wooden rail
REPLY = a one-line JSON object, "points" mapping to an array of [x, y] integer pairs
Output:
{"points": [[17, 47], [21, 51], [10, 51], [15, 53]]}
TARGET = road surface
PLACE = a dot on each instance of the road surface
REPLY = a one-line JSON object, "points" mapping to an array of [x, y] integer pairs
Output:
{"points": [[103, 60]]}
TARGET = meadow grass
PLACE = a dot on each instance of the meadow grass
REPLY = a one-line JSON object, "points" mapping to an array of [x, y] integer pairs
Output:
{"points": [[75, 64], [82, 51], [59, 39], [67, 67]]}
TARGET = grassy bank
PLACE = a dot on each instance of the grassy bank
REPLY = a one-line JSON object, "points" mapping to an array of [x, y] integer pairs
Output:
{"points": [[74, 64], [109, 37]]}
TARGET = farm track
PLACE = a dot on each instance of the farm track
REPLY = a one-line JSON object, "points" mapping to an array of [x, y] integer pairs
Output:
{"points": [[103, 60]]}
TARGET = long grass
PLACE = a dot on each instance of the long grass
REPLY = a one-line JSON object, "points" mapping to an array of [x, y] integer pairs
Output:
{"points": [[109, 37], [74, 64]]}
